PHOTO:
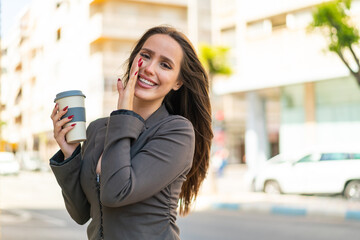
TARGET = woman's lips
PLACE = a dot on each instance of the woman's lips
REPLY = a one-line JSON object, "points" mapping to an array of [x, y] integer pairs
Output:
{"points": [[145, 83]]}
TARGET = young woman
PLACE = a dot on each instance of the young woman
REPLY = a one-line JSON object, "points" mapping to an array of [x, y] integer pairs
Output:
{"points": [[149, 155]]}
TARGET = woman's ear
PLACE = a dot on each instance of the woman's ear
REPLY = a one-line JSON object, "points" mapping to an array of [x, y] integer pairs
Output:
{"points": [[177, 85]]}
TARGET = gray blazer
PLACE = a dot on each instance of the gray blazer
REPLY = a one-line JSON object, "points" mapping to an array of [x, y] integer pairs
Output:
{"points": [[143, 167]]}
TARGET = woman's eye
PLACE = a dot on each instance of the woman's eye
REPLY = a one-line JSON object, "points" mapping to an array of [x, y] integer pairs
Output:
{"points": [[165, 65], [144, 55]]}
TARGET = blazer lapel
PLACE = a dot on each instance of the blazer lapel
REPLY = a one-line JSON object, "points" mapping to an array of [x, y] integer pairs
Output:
{"points": [[99, 144]]}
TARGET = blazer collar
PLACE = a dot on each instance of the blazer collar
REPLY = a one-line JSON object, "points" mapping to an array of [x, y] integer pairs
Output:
{"points": [[159, 114], [154, 118]]}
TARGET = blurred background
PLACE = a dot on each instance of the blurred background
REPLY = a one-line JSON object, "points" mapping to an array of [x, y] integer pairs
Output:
{"points": [[285, 79]]}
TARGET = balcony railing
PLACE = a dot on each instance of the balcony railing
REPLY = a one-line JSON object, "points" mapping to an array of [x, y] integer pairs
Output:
{"points": [[110, 27], [165, 2]]}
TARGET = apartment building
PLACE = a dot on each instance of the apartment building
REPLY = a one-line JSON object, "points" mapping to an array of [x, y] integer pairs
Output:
{"points": [[60, 45], [287, 94]]}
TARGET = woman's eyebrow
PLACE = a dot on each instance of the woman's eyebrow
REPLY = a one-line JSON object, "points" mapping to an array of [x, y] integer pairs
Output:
{"points": [[161, 56]]}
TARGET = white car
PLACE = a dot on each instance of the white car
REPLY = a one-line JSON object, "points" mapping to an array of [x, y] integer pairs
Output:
{"points": [[316, 173], [8, 163]]}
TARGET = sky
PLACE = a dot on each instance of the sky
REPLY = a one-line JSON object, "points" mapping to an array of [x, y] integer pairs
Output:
{"points": [[9, 10]]}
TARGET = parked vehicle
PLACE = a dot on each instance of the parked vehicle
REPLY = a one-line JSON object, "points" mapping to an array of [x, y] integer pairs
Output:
{"points": [[31, 161], [8, 164], [315, 173]]}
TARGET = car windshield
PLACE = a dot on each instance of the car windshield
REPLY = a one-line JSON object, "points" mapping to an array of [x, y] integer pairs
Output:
{"points": [[334, 156], [277, 159], [311, 158]]}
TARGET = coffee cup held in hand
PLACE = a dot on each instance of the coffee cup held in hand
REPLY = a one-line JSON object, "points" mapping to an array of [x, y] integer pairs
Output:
{"points": [[75, 100]]}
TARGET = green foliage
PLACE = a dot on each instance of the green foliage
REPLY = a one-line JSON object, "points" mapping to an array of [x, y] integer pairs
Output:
{"points": [[214, 58], [333, 17]]}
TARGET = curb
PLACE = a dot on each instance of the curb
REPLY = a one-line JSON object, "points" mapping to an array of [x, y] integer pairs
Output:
{"points": [[287, 210]]}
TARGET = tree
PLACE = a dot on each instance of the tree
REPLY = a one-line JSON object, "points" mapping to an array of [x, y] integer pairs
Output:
{"points": [[333, 19], [215, 61], [214, 58]]}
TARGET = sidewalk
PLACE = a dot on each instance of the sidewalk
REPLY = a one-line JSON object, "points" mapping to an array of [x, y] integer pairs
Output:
{"points": [[231, 193], [30, 190]]}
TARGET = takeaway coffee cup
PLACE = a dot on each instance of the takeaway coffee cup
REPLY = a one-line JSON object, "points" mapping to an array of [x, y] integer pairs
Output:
{"points": [[75, 100]]}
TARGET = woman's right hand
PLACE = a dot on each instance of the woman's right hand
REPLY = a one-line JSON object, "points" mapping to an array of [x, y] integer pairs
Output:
{"points": [[127, 93], [60, 131]]}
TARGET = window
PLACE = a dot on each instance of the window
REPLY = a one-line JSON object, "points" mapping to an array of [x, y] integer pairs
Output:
{"points": [[334, 156], [18, 97], [18, 67], [278, 21], [58, 34], [355, 156], [228, 36], [18, 119], [33, 53], [259, 28], [33, 80], [36, 143], [109, 84]]}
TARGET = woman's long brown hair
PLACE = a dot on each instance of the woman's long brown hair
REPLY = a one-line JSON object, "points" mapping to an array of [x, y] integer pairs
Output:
{"points": [[191, 101]]}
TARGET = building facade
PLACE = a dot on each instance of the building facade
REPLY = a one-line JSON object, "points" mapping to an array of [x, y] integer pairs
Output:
{"points": [[60, 45], [288, 94]]}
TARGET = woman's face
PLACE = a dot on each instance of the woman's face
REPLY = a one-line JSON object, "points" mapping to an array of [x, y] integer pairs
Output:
{"points": [[159, 72]]}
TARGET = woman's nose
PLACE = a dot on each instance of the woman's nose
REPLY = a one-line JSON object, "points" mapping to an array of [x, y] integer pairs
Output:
{"points": [[149, 67]]}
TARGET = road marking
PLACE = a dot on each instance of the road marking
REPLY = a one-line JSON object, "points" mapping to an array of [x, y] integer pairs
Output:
{"points": [[14, 216], [49, 219], [17, 216]]}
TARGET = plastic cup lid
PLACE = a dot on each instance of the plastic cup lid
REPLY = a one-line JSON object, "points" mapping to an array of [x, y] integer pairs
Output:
{"points": [[70, 93]]}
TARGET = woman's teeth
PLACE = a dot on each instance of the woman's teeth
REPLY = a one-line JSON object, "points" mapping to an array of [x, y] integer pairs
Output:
{"points": [[146, 82]]}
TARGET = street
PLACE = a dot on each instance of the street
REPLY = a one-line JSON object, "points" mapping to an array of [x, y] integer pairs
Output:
{"points": [[210, 225], [32, 208], [48, 224], [234, 225]]}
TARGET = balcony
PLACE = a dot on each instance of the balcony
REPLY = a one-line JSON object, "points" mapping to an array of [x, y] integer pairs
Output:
{"points": [[283, 57], [159, 2], [105, 27], [291, 56]]}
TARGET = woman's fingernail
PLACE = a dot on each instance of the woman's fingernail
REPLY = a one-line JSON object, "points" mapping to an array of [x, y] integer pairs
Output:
{"points": [[119, 79], [56, 104], [136, 73], [139, 60], [65, 108], [140, 64], [73, 124], [70, 117]]}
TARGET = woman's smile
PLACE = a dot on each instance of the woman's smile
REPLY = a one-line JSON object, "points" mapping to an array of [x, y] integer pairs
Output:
{"points": [[145, 82]]}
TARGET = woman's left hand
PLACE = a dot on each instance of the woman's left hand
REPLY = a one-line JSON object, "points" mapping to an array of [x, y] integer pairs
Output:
{"points": [[126, 95]]}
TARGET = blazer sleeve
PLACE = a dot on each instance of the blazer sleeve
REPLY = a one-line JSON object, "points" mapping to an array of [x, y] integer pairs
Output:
{"points": [[166, 156], [67, 174]]}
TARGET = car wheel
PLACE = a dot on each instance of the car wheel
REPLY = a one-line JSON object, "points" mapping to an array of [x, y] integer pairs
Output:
{"points": [[352, 190], [272, 187]]}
